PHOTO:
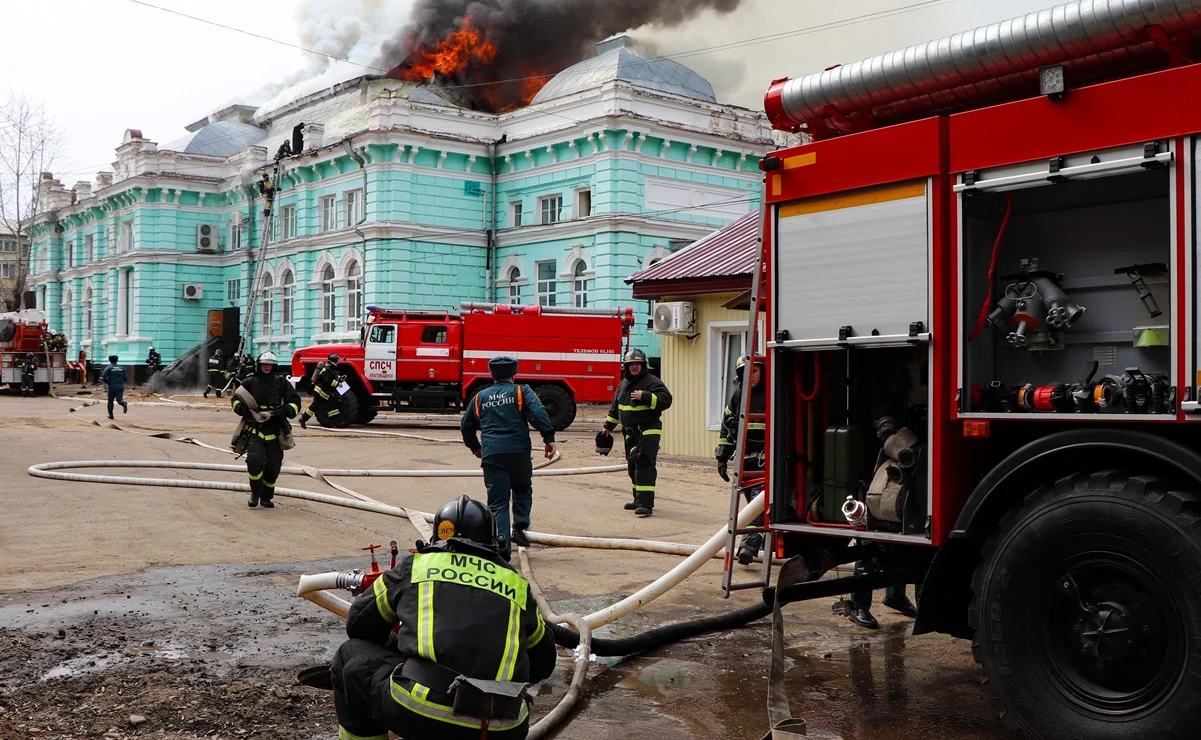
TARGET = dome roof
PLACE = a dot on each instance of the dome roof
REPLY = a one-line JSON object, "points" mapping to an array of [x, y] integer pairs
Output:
{"points": [[615, 61], [221, 139]]}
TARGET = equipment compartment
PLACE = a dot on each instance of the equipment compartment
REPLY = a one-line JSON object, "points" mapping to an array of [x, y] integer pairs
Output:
{"points": [[1079, 315]]}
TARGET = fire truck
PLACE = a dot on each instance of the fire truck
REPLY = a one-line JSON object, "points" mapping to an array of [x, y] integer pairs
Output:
{"points": [[978, 284], [414, 361], [25, 332]]}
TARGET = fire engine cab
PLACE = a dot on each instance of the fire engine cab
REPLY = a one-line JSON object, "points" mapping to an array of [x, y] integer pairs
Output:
{"points": [[22, 333], [979, 288], [428, 362]]}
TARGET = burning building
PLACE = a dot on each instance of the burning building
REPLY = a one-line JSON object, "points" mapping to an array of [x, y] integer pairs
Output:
{"points": [[435, 184]]}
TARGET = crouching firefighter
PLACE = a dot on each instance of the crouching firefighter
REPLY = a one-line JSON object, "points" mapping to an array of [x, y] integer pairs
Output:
{"points": [[265, 402], [325, 382], [470, 638], [753, 455], [638, 406]]}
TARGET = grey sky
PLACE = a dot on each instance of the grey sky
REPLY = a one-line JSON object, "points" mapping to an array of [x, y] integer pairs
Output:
{"points": [[113, 64]]}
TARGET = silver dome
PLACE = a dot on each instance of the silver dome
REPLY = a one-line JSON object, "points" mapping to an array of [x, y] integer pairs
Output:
{"points": [[615, 61], [220, 139]]}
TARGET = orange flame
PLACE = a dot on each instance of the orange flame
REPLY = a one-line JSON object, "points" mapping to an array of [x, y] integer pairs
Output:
{"points": [[451, 55]]}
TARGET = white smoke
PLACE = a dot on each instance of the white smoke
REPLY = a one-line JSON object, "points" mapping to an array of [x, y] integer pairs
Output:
{"points": [[348, 29]]}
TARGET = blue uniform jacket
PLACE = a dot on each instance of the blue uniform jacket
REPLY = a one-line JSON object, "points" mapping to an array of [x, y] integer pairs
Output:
{"points": [[114, 377], [503, 412]]}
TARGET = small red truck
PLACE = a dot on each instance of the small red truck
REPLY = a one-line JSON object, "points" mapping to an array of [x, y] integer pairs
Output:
{"points": [[22, 332], [424, 362]]}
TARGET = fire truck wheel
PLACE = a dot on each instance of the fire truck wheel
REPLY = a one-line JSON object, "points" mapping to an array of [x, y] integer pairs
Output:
{"points": [[350, 410], [367, 412], [41, 389], [1086, 607], [559, 406]]}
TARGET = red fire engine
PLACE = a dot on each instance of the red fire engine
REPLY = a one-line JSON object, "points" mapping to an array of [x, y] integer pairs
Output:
{"points": [[979, 283], [25, 332], [433, 362]]}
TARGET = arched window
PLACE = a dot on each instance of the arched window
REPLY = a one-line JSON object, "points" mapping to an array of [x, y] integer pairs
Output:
{"points": [[266, 307], [579, 286], [89, 313], [514, 278], [285, 302], [327, 299], [354, 296]]}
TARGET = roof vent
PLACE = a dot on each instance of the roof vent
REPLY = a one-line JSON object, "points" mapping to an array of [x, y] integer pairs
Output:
{"points": [[620, 42]]}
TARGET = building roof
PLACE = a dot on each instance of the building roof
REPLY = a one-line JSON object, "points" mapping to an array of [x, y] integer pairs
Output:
{"points": [[721, 261], [221, 139], [614, 61]]}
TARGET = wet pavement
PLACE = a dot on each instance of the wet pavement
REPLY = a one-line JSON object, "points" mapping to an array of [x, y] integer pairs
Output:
{"points": [[203, 651]]}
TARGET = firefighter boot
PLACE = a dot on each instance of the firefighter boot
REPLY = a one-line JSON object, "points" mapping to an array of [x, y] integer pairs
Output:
{"points": [[901, 603], [862, 616], [255, 492], [750, 547], [644, 506], [304, 417], [520, 538], [206, 392]]}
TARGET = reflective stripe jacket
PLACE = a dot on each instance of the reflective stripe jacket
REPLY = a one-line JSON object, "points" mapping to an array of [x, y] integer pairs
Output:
{"points": [[504, 413], [325, 380], [271, 392], [644, 413], [462, 608], [756, 431]]}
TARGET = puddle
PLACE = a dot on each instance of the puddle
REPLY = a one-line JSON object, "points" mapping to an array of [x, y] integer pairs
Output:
{"points": [[85, 664]]}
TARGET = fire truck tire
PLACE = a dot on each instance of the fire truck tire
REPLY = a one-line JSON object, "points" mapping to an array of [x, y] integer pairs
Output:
{"points": [[559, 405], [41, 389], [367, 412], [350, 410], [1085, 610]]}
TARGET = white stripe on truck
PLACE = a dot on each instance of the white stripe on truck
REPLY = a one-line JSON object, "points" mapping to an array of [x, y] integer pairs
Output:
{"points": [[476, 354]]}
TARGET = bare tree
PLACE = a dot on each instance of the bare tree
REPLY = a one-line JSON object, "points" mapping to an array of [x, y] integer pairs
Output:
{"points": [[30, 143]]}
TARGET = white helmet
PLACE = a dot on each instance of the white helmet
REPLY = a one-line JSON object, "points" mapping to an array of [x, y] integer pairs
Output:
{"points": [[267, 358]]}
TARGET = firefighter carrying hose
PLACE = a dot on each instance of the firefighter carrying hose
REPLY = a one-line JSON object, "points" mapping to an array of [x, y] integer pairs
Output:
{"points": [[265, 402], [325, 382], [470, 638], [29, 372], [638, 406], [216, 369], [753, 455]]}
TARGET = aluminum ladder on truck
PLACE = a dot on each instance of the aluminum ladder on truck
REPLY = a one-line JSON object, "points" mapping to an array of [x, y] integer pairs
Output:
{"points": [[742, 479]]}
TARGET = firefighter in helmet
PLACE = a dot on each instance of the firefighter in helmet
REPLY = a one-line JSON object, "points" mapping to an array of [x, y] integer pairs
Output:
{"points": [[265, 401], [29, 372], [753, 452], [154, 361], [216, 368], [325, 381], [503, 413], [638, 406], [233, 371], [488, 629]]}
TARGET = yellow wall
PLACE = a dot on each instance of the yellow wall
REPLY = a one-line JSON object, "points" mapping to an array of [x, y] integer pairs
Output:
{"points": [[686, 373]]}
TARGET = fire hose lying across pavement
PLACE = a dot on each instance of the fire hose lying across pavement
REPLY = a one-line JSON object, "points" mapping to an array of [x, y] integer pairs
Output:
{"points": [[316, 587]]}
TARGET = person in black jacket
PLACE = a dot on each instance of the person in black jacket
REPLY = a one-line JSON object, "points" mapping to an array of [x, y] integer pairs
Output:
{"points": [[29, 374], [216, 369], [753, 456], [154, 361], [115, 377], [463, 613], [276, 401], [638, 406], [325, 382], [503, 413]]}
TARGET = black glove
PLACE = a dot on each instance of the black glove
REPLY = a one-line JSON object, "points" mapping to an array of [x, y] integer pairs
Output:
{"points": [[723, 453], [721, 470], [279, 413]]}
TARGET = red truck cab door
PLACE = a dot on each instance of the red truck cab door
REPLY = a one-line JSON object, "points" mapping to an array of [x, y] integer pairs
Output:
{"points": [[437, 354], [379, 354]]}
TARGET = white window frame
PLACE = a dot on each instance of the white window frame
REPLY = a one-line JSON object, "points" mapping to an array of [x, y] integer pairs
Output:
{"points": [[233, 290], [550, 209], [579, 285], [287, 222], [71, 253], [125, 237], [43, 261], [354, 296], [329, 303], [328, 210], [6, 270], [68, 311], [715, 379], [352, 205], [8, 246], [89, 322], [267, 307], [516, 212], [582, 195], [546, 288], [287, 304], [235, 236], [89, 248]]}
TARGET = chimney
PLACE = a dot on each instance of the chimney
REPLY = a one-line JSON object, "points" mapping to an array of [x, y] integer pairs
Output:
{"points": [[82, 190], [314, 136], [103, 179], [131, 134]]}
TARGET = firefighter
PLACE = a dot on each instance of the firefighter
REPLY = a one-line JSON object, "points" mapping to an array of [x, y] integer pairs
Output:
{"points": [[325, 381], [216, 373], [154, 361], [503, 414], [247, 368], [114, 377], [638, 406], [57, 342], [233, 372], [29, 372], [753, 454], [488, 627], [272, 399]]}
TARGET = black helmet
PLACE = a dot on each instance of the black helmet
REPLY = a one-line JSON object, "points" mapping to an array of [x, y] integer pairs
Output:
{"points": [[502, 367], [112, 359], [741, 365], [465, 518], [604, 443], [334, 357], [632, 357]]}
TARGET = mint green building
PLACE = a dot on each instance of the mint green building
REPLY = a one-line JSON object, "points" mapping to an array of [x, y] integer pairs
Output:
{"points": [[400, 198]]}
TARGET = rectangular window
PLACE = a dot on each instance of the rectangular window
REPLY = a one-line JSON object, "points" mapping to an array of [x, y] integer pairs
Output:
{"points": [[546, 283], [235, 236], [125, 241], [285, 305], [6, 270], [329, 213], [8, 245], [287, 222], [515, 294], [583, 203], [515, 210], [233, 290], [433, 335], [70, 254], [552, 209], [352, 201], [89, 248], [124, 298]]}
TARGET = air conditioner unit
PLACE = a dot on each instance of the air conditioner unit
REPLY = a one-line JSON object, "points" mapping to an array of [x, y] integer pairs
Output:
{"points": [[674, 317], [193, 292], [206, 238]]}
